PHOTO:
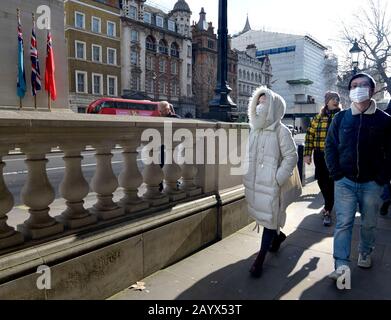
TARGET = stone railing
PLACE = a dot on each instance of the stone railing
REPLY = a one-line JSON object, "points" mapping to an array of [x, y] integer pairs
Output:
{"points": [[36, 133]]}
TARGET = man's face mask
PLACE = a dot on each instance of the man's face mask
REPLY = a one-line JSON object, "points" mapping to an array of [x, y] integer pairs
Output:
{"points": [[359, 94]]}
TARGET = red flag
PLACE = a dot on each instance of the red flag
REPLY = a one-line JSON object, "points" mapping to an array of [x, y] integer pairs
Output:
{"points": [[50, 80]]}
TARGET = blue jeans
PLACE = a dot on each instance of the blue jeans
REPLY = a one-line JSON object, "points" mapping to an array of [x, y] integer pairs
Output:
{"points": [[347, 195]]}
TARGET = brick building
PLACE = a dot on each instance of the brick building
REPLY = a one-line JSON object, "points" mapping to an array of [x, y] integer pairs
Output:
{"points": [[92, 31]]}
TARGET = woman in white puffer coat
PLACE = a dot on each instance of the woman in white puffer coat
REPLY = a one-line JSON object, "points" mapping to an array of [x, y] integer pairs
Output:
{"points": [[272, 158]]}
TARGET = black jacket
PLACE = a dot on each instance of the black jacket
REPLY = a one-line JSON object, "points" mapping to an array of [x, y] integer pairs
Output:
{"points": [[358, 147]]}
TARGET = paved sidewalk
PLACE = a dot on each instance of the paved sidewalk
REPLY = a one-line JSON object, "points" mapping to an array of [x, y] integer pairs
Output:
{"points": [[298, 271]]}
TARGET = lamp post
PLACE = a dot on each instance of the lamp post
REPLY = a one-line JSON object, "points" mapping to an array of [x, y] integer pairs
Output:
{"points": [[355, 54], [221, 106]]}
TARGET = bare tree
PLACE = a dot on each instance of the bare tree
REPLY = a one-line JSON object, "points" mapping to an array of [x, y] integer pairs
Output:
{"points": [[373, 33]]}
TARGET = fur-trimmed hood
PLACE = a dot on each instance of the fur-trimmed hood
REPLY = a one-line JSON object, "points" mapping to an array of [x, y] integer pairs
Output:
{"points": [[271, 113]]}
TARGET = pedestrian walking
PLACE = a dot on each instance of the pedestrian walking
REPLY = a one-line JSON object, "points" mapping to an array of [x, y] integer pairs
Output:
{"points": [[358, 156], [272, 158], [386, 196], [315, 141]]}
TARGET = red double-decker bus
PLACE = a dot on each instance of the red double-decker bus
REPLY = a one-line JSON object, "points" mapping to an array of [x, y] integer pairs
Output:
{"points": [[118, 106]]}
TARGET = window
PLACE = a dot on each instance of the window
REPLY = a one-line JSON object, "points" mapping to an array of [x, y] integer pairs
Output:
{"points": [[147, 17], [189, 90], [134, 36], [189, 51], [252, 76], [97, 83], [111, 29], [163, 48], [81, 81], [80, 20], [96, 25], [134, 57], [174, 50], [162, 65], [171, 25], [133, 12], [174, 89], [112, 86], [111, 56], [150, 44], [80, 50], [174, 68], [240, 88], [189, 70], [159, 21], [162, 87], [211, 44], [150, 85], [96, 53], [149, 62]]}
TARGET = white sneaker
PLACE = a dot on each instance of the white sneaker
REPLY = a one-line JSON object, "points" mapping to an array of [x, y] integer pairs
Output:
{"points": [[364, 260], [338, 273]]}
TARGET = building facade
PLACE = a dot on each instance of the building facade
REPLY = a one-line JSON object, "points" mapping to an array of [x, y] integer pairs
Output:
{"points": [[156, 50], [299, 64], [205, 65], [93, 33], [252, 73]]}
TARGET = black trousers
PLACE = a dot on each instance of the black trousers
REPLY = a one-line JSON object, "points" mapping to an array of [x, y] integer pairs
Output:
{"points": [[267, 238], [326, 184]]}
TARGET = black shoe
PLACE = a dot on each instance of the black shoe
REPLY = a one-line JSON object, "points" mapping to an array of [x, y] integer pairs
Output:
{"points": [[277, 242], [257, 267], [384, 208]]}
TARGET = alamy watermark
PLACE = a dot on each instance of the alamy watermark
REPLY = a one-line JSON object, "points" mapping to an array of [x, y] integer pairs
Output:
{"points": [[344, 282], [44, 281], [198, 148]]}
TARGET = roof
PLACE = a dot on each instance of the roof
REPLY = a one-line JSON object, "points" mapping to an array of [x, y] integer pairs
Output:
{"points": [[181, 5]]}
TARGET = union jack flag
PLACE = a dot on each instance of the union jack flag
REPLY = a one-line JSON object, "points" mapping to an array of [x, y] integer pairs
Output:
{"points": [[35, 72]]}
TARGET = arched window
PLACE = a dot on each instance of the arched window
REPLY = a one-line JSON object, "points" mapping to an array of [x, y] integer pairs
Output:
{"points": [[252, 76], [248, 75], [240, 74], [150, 43], [256, 78], [174, 50], [163, 47]]}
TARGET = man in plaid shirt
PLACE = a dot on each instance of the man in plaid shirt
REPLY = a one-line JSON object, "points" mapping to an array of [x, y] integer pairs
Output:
{"points": [[315, 141]]}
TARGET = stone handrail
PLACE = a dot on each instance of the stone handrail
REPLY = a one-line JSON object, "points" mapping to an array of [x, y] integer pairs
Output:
{"points": [[36, 133]]}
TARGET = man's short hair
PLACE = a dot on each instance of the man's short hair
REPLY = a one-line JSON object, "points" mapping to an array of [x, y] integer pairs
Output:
{"points": [[371, 81]]}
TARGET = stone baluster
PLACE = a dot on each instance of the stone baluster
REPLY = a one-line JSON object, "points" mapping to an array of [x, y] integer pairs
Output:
{"points": [[189, 172], [153, 176], [38, 194], [104, 183], [8, 236], [74, 188], [130, 178], [172, 173]]}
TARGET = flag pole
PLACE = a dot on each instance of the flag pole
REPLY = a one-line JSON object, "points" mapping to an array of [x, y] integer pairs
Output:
{"points": [[18, 18], [49, 102], [35, 95]]}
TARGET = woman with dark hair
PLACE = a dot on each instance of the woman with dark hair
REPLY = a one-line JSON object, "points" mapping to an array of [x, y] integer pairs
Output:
{"points": [[315, 140]]}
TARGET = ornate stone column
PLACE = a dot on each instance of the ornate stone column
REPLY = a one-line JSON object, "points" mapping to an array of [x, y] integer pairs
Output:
{"points": [[74, 188], [104, 183], [8, 236], [172, 173], [130, 178], [189, 172], [38, 194], [153, 176]]}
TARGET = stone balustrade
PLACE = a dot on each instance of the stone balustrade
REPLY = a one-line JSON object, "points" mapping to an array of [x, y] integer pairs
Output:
{"points": [[36, 133]]}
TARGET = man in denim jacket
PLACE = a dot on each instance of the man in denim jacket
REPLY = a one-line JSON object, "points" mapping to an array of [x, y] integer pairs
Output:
{"points": [[358, 157]]}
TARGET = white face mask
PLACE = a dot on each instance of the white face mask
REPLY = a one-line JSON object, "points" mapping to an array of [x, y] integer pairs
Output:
{"points": [[359, 94], [259, 109]]}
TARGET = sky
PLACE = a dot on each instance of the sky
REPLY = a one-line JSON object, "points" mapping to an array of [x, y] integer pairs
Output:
{"points": [[322, 19]]}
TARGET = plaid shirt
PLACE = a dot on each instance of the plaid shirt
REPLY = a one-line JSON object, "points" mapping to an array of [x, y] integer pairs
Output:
{"points": [[315, 137]]}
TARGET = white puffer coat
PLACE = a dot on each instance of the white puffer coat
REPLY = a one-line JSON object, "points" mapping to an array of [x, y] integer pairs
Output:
{"points": [[271, 159]]}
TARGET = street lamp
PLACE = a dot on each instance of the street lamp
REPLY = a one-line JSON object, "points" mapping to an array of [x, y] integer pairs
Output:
{"points": [[221, 106], [355, 54]]}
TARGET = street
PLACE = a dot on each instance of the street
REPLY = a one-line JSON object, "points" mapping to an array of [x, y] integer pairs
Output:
{"points": [[15, 171]]}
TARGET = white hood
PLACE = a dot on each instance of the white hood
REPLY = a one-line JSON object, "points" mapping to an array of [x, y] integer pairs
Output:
{"points": [[272, 112]]}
